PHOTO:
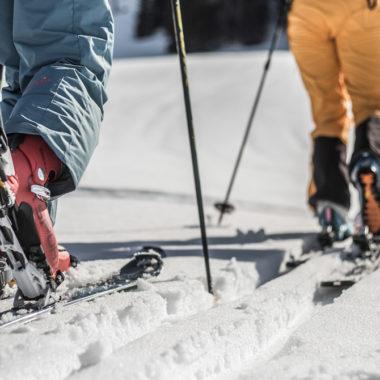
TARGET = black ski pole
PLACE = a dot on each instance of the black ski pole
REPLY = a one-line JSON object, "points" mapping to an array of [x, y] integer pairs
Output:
{"points": [[1, 76], [225, 206], [3, 136], [180, 42]]}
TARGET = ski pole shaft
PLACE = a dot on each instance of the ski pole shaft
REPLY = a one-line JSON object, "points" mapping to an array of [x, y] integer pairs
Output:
{"points": [[180, 42], [276, 35], [3, 137]]}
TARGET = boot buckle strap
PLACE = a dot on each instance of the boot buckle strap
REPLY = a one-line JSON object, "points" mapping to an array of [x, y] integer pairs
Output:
{"points": [[41, 192]]}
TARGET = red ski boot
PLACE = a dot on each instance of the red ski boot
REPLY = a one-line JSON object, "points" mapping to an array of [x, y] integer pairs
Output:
{"points": [[35, 166]]}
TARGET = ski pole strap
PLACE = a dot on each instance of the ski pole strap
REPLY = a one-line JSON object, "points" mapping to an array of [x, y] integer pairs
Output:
{"points": [[372, 4]]}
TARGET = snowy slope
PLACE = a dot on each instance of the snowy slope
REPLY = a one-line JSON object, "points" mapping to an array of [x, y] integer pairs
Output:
{"points": [[145, 119], [340, 341], [139, 190]]}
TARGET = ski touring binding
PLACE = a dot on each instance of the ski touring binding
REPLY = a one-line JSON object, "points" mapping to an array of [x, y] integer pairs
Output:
{"points": [[5, 274], [146, 263], [17, 231]]}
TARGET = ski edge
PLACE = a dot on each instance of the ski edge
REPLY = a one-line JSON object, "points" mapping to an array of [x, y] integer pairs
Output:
{"points": [[31, 316]]}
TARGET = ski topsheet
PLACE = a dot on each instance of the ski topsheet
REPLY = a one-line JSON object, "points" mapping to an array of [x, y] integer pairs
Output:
{"points": [[146, 263]]}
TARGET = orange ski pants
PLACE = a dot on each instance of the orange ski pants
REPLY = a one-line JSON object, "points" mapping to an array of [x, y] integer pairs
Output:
{"points": [[336, 44]]}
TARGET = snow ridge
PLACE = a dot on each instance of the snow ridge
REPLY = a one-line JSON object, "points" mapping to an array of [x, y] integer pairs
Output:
{"points": [[83, 338], [225, 337], [338, 350]]}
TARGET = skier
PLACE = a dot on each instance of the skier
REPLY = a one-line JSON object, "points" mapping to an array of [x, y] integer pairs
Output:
{"points": [[57, 56], [337, 48]]}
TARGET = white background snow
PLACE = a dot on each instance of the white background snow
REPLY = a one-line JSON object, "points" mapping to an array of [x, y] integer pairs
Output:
{"points": [[139, 190]]}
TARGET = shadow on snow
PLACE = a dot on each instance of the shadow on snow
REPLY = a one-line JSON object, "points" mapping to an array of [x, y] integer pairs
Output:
{"points": [[268, 261]]}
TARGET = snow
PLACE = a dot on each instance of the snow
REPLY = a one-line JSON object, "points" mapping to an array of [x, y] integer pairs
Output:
{"points": [[353, 317], [262, 323]]}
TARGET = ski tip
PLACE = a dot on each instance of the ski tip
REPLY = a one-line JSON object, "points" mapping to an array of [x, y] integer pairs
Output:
{"points": [[145, 263], [155, 248], [294, 263]]}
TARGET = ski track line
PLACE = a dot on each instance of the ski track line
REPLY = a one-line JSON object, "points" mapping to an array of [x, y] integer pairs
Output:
{"points": [[349, 340], [221, 339], [85, 335]]}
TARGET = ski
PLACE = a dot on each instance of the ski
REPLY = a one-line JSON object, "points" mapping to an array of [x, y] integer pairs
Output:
{"points": [[314, 248], [146, 263], [365, 256], [293, 262], [315, 245], [362, 268], [76, 298]]}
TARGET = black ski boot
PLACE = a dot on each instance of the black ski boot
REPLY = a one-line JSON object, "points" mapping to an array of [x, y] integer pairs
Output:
{"points": [[333, 220]]}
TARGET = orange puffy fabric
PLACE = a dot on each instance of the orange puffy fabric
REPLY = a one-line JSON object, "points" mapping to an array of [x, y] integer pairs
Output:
{"points": [[336, 44]]}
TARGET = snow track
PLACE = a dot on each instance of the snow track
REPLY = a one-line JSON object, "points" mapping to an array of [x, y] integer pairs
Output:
{"points": [[224, 338], [340, 341], [227, 336], [174, 326], [93, 331]]}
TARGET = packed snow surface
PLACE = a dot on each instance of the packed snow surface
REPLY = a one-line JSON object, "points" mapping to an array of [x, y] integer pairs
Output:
{"points": [[262, 322]]}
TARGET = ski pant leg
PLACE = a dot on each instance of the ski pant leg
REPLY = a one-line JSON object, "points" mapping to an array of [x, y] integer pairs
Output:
{"points": [[317, 58], [9, 58], [316, 55], [66, 50], [359, 49]]}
